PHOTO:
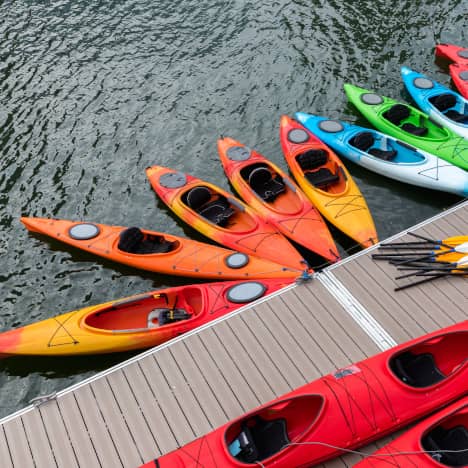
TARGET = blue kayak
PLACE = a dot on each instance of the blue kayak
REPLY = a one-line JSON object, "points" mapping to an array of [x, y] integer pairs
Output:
{"points": [[386, 155]]}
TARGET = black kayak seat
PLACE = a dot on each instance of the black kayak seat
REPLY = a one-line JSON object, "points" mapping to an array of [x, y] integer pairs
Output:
{"points": [[445, 443], [261, 440], [322, 177], [397, 113], [456, 116], [443, 101], [264, 184], [414, 129], [362, 141], [386, 155], [197, 197], [311, 159], [167, 316], [132, 240], [217, 211], [416, 370]]}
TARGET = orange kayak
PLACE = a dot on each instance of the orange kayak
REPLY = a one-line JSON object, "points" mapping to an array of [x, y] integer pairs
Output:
{"points": [[327, 183], [161, 253], [136, 322], [221, 217], [276, 198]]}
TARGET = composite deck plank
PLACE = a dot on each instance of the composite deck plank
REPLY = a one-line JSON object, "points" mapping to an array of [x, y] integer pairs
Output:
{"points": [[38, 441], [4, 449], [77, 431], [18, 443]]}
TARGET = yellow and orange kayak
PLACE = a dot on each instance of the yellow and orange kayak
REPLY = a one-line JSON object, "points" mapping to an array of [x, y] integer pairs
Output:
{"points": [[221, 217], [136, 322], [327, 183], [276, 198], [161, 253]]}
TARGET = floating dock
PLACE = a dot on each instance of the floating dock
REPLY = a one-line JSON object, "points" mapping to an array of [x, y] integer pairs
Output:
{"points": [[169, 395]]}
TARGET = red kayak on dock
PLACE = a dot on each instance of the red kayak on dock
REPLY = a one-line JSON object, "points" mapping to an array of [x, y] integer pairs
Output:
{"points": [[440, 440], [346, 409]]}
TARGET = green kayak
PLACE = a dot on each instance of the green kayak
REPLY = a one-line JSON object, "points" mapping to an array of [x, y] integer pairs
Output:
{"points": [[409, 125]]}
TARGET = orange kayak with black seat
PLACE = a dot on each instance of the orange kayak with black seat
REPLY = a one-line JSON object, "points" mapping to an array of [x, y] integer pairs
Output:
{"points": [[346, 409], [222, 217], [276, 198], [326, 181], [135, 322], [440, 440], [157, 252]]}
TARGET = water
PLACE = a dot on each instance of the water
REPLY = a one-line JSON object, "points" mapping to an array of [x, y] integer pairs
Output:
{"points": [[91, 93]]}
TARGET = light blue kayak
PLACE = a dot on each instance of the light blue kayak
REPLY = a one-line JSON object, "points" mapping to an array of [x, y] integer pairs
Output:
{"points": [[386, 155], [443, 105]]}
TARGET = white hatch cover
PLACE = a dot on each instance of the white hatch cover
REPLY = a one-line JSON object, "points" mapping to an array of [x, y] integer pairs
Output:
{"points": [[83, 231], [245, 292]]}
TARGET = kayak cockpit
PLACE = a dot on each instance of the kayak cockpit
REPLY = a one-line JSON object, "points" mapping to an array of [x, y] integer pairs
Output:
{"points": [[321, 171], [415, 124], [134, 240], [451, 107], [147, 312], [266, 432], [385, 149], [447, 442], [432, 361]]}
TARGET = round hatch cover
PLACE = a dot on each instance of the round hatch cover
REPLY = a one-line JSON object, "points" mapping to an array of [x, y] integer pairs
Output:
{"points": [[173, 179], [83, 231], [423, 83], [237, 260], [245, 292], [463, 53], [330, 126], [238, 153], [297, 135], [372, 99], [464, 75]]}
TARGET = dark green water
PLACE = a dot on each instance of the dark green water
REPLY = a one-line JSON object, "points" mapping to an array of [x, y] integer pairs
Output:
{"points": [[92, 92]]}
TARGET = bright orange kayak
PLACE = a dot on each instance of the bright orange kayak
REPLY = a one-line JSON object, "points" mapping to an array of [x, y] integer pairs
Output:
{"points": [[327, 183], [161, 253], [135, 322], [221, 217], [276, 198]]}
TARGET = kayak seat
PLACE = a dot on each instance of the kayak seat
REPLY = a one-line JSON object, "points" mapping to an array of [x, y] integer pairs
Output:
{"points": [[414, 129], [261, 440], [264, 184], [456, 116], [443, 101], [322, 177], [388, 155], [441, 441], [312, 159], [166, 316], [416, 370], [397, 113], [217, 211], [133, 240], [362, 141]]}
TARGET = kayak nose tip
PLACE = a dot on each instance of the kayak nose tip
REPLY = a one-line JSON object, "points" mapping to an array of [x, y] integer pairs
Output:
{"points": [[405, 70]]}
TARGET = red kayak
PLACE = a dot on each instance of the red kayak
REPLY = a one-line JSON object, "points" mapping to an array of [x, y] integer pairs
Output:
{"points": [[348, 408], [440, 440], [459, 69]]}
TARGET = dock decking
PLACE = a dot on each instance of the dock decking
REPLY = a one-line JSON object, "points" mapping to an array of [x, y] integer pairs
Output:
{"points": [[176, 392]]}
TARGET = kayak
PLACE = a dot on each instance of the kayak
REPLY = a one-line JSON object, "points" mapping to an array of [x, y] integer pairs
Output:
{"points": [[459, 69], [346, 409], [136, 322], [410, 125], [221, 217], [439, 440], [276, 198], [326, 181], [444, 106], [387, 156], [157, 252]]}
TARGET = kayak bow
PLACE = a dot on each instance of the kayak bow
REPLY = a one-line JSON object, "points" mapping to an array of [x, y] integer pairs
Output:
{"points": [[459, 69]]}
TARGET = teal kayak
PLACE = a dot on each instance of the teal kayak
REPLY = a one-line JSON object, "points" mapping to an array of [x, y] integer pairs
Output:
{"points": [[409, 125]]}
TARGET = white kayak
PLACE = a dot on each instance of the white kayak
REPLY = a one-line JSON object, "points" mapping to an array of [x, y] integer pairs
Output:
{"points": [[386, 155], [443, 105]]}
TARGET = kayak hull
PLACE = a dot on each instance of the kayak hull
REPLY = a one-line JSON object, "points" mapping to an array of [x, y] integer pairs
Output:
{"points": [[244, 230], [290, 211], [135, 322], [366, 401], [459, 69], [188, 258], [409, 165], [409, 450], [424, 90], [434, 139], [342, 204]]}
